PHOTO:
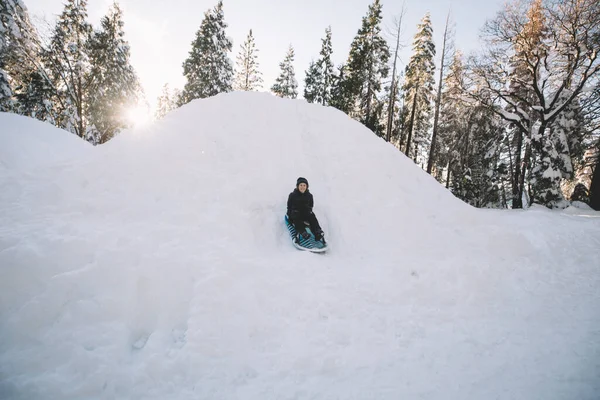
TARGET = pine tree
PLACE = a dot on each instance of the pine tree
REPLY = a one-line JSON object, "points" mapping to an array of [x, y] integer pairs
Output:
{"points": [[418, 91], [6, 21], [19, 60], [34, 98], [69, 65], [5, 91], [319, 76], [312, 82], [112, 82], [367, 65], [469, 145], [286, 84], [341, 92], [208, 69], [166, 102], [454, 116], [248, 77]]}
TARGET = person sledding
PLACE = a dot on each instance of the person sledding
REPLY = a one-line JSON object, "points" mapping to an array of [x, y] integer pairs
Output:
{"points": [[300, 211]]}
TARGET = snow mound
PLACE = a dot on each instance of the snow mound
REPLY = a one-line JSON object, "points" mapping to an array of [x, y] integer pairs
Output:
{"points": [[158, 266], [28, 143]]}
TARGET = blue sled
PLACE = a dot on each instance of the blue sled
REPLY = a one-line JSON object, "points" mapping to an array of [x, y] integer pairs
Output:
{"points": [[309, 244]]}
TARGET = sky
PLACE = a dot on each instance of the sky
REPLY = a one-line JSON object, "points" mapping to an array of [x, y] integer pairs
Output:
{"points": [[160, 36]]}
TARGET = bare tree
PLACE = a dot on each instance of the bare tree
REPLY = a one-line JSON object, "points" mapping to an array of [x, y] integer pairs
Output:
{"points": [[554, 46], [394, 84], [447, 51]]}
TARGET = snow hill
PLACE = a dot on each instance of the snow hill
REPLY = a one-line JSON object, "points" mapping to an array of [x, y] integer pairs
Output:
{"points": [[158, 266]]}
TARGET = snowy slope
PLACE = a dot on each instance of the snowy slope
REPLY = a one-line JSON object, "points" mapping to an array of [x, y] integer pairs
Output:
{"points": [[158, 266]]}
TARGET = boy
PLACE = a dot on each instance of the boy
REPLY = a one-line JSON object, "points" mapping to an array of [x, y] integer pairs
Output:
{"points": [[299, 209]]}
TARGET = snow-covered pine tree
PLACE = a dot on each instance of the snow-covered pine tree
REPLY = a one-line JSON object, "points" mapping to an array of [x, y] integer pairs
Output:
{"points": [[286, 85], [5, 91], [319, 76], [469, 144], [6, 22], [166, 102], [35, 96], [20, 66], [418, 92], [454, 116], [312, 81], [67, 59], [247, 76], [112, 82], [208, 69], [366, 67]]}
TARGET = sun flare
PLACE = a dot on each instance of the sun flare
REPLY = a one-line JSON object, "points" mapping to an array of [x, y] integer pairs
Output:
{"points": [[139, 116]]}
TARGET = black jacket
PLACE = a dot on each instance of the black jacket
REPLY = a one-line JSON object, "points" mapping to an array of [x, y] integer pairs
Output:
{"points": [[299, 204]]}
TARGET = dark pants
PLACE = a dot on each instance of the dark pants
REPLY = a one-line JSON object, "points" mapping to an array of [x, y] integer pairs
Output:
{"points": [[311, 218]]}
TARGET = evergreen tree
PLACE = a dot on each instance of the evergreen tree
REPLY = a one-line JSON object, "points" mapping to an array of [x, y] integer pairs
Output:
{"points": [[208, 69], [367, 65], [19, 59], [248, 77], [469, 144], [312, 82], [34, 98], [5, 91], [319, 76], [69, 65], [286, 84], [391, 98], [418, 92], [166, 102], [454, 115], [112, 82], [341, 93]]}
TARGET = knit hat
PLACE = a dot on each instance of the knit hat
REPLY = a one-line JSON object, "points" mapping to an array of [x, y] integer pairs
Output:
{"points": [[301, 180]]}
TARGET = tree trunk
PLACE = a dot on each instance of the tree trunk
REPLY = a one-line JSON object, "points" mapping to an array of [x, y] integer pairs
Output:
{"points": [[412, 121], [390, 116], [438, 101], [517, 189], [595, 187]]}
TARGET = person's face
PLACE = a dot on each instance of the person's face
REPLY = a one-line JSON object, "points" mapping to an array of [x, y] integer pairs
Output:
{"points": [[302, 187]]}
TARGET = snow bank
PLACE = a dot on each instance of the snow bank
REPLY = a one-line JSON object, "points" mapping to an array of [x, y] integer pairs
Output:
{"points": [[158, 266], [28, 143]]}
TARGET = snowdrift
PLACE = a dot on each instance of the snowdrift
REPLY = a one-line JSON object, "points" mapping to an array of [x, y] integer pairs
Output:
{"points": [[158, 266]]}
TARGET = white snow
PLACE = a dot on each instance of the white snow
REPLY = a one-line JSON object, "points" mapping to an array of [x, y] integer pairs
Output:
{"points": [[157, 266]]}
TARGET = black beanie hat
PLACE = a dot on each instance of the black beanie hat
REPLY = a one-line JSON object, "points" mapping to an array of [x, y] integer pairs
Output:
{"points": [[301, 180]]}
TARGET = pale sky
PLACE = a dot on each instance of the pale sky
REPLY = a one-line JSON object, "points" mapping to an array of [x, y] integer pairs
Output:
{"points": [[160, 32]]}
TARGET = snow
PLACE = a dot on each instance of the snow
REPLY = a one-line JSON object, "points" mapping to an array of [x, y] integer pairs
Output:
{"points": [[158, 266]]}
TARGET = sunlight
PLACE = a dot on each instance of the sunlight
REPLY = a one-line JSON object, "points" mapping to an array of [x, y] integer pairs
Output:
{"points": [[139, 116]]}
